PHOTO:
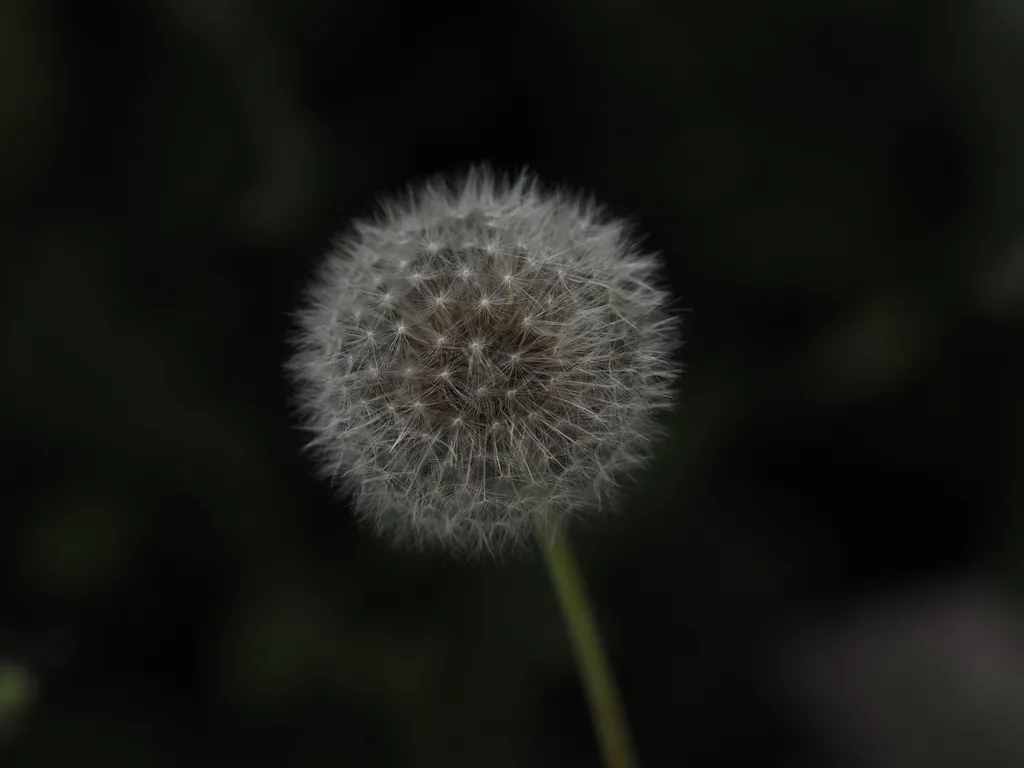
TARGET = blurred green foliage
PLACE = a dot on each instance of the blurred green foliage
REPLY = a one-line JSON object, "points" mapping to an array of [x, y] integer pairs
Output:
{"points": [[17, 691], [837, 190]]}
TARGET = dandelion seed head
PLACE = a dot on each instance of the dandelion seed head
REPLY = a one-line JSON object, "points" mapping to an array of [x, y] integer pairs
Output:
{"points": [[483, 356]]}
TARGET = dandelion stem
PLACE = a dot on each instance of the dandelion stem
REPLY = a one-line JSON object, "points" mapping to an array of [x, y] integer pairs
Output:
{"points": [[606, 708]]}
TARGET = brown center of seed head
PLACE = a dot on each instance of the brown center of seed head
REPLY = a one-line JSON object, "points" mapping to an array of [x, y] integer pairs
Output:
{"points": [[476, 355]]}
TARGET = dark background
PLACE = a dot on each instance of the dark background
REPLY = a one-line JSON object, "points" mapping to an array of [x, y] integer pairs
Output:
{"points": [[823, 565]]}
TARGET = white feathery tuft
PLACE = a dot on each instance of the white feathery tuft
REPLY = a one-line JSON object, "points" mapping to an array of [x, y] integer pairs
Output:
{"points": [[484, 357]]}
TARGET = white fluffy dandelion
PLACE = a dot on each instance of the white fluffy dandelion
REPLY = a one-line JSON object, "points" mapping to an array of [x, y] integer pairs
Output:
{"points": [[484, 357]]}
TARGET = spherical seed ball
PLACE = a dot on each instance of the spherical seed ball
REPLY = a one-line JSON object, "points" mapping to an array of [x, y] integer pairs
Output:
{"points": [[484, 356]]}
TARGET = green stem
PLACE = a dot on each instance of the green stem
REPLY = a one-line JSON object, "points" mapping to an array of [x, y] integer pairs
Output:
{"points": [[606, 708]]}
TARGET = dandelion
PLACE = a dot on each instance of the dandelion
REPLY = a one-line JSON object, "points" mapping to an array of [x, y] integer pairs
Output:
{"points": [[483, 357], [484, 361]]}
